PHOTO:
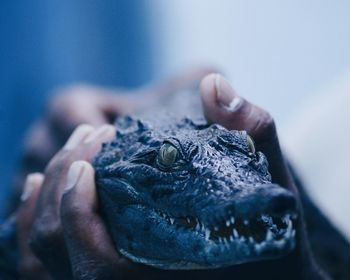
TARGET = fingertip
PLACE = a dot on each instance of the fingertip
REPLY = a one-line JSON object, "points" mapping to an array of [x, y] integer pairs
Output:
{"points": [[78, 135], [217, 91], [33, 181], [80, 187], [207, 86], [106, 131], [226, 95], [75, 171]]}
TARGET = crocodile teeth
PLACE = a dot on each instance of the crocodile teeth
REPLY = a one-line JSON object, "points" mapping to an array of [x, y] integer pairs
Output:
{"points": [[259, 233], [207, 234], [269, 235]]}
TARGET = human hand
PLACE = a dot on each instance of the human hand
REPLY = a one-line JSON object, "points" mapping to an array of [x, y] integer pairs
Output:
{"points": [[42, 203], [85, 104], [91, 252], [222, 105]]}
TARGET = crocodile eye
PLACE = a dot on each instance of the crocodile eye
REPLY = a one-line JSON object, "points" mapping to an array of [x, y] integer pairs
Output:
{"points": [[167, 155], [251, 145]]}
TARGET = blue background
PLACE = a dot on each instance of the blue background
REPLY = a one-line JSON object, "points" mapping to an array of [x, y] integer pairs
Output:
{"points": [[46, 44]]}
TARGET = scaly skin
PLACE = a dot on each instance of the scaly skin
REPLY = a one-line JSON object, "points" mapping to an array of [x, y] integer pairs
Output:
{"points": [[210, 203]]}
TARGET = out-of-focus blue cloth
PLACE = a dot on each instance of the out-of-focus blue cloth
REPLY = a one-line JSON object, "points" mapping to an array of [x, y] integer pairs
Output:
{"points": [[46, 44]]}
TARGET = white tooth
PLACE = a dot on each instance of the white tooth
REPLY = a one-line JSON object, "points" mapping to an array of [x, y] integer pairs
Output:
{"points": [[293, 233], [202, 227], [286, 218], [288, 234], [242, 239], [172, 220], [188, 220], [232, 220], [207, 234], [216, 228], [227, 223], [235, 233], [198, 226], [290, 225], [269, 235], [258, 247], [220, 239], [251, 239], [231, 238], [246, 222], [280, 243]]}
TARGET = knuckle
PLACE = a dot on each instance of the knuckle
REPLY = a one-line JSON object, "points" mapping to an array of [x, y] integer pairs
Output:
{"points": [[59, 162], [29, 266], [268, 121], [44, 236], [70, 208], [265, 128], [72, 93]]}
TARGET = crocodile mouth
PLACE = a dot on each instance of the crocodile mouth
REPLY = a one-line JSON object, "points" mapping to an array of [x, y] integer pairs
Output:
{"points": [[262, 232]]}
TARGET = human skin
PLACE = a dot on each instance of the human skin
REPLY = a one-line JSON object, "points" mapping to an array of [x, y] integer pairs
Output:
{"points": [[64, 205], [85, 104]]}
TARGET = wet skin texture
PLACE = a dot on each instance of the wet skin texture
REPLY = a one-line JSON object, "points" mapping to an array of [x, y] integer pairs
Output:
{"points": [[188, 195]]}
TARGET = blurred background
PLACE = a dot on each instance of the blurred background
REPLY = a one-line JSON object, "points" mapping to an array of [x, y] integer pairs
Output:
{"points": [[290, 57]]}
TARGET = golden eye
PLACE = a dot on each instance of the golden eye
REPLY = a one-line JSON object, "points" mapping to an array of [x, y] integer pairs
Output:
{"points": [[251, 145], [167, 154]]}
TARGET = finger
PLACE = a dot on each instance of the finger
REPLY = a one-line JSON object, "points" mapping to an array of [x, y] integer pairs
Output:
{"points": [[40, 146], [90, 248], [185, 80], [74, 106], [56, 170], [78, 136], [83, 144], [222, 105], [47, 236], [29, 266], [93, 143]]}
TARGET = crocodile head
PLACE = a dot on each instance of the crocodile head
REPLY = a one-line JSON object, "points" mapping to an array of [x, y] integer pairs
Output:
{"points": [[190, 196]]}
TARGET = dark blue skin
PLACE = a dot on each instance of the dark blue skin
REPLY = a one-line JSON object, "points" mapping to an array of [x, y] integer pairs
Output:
{"points": [[186, 195]]}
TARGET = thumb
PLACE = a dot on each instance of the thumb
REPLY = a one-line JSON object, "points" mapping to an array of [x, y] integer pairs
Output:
{"points": [[85, 234]]}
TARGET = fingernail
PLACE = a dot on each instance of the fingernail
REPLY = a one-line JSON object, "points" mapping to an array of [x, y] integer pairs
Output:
{"points": [[104, 130], [226, 95], [32, 181], [74, 173], [79, 134]]}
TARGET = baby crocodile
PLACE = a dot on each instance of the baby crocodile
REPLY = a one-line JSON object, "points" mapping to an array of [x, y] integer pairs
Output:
{"points": [[183, 194]]}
